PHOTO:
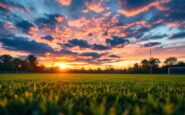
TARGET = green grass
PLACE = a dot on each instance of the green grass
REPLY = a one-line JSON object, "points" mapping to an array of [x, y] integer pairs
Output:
{"points": [[91, 94]]}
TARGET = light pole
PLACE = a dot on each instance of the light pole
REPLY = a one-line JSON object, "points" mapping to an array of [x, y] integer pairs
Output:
{"points": [[150, 59], [150, 45]]}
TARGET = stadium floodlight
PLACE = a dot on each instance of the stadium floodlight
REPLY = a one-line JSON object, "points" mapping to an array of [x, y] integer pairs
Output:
{"points": [[172, 68], [150, 45], [150, 60]]}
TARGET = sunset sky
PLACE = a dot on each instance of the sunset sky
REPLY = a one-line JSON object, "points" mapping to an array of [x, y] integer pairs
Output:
{"points": [[92, 33]]}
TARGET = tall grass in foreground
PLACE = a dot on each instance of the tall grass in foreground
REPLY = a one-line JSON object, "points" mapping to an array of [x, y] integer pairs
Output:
{"points": [[92, 97]]}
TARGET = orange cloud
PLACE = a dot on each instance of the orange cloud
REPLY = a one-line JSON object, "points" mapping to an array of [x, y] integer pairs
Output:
{"points": [[107, 14], [134, 12], [60, 19], [65, 2], [159, 21], [78, 22], [85, 11], [95, 7], [13, 53], [38, 34], [98, 28]]}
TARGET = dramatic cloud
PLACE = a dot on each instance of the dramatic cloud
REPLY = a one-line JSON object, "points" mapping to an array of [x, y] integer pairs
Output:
{"points": [[114, 56], [48, 37], [175, 13], [84, 44], [10, 6], [117, 42], [140, 6], [93, 55], [180, 35], [93, 31], [150, 44], [153, 37], [49, 20], [67, 52], [23, 44], [100, 47], [24, 26], [77, 42]]}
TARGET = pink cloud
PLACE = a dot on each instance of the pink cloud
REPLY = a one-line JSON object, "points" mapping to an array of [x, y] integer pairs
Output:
{"points": [[98, 8], [133, 12], [5, 6], [173, 24], [65, 2]]}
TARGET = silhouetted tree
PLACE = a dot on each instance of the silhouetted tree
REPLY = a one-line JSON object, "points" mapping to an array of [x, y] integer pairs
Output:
{"points": [[109, 68], [180, 64], [170, 61], [6, 63], [26, 67], [145, 65], [55, 69], [33, 61], [136, 68], [5, 58], [82, 69], [154, 65], [40, 68], [18, 64], [154, 62]]}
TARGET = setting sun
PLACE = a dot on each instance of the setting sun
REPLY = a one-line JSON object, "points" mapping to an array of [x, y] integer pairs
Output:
{"points": [[62, 66]]}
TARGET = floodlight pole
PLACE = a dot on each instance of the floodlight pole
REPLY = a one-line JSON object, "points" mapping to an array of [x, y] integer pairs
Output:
{"points": [[150, 60]]}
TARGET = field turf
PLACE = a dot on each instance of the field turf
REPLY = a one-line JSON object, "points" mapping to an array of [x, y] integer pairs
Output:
{"points": [[91, 94]]}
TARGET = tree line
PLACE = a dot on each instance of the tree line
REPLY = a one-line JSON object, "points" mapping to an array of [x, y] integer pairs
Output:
{"points": [[9, 64], [150, 66]]}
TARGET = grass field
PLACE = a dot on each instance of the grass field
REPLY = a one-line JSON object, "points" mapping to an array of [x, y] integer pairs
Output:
{"points": [[91, 94]]}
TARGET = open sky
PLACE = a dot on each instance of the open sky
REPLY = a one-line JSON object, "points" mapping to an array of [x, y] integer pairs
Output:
{"points": [[92, 33]]}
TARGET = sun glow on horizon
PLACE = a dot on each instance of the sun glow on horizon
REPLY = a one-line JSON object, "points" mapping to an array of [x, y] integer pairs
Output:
{"points": [[62, 66]]}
